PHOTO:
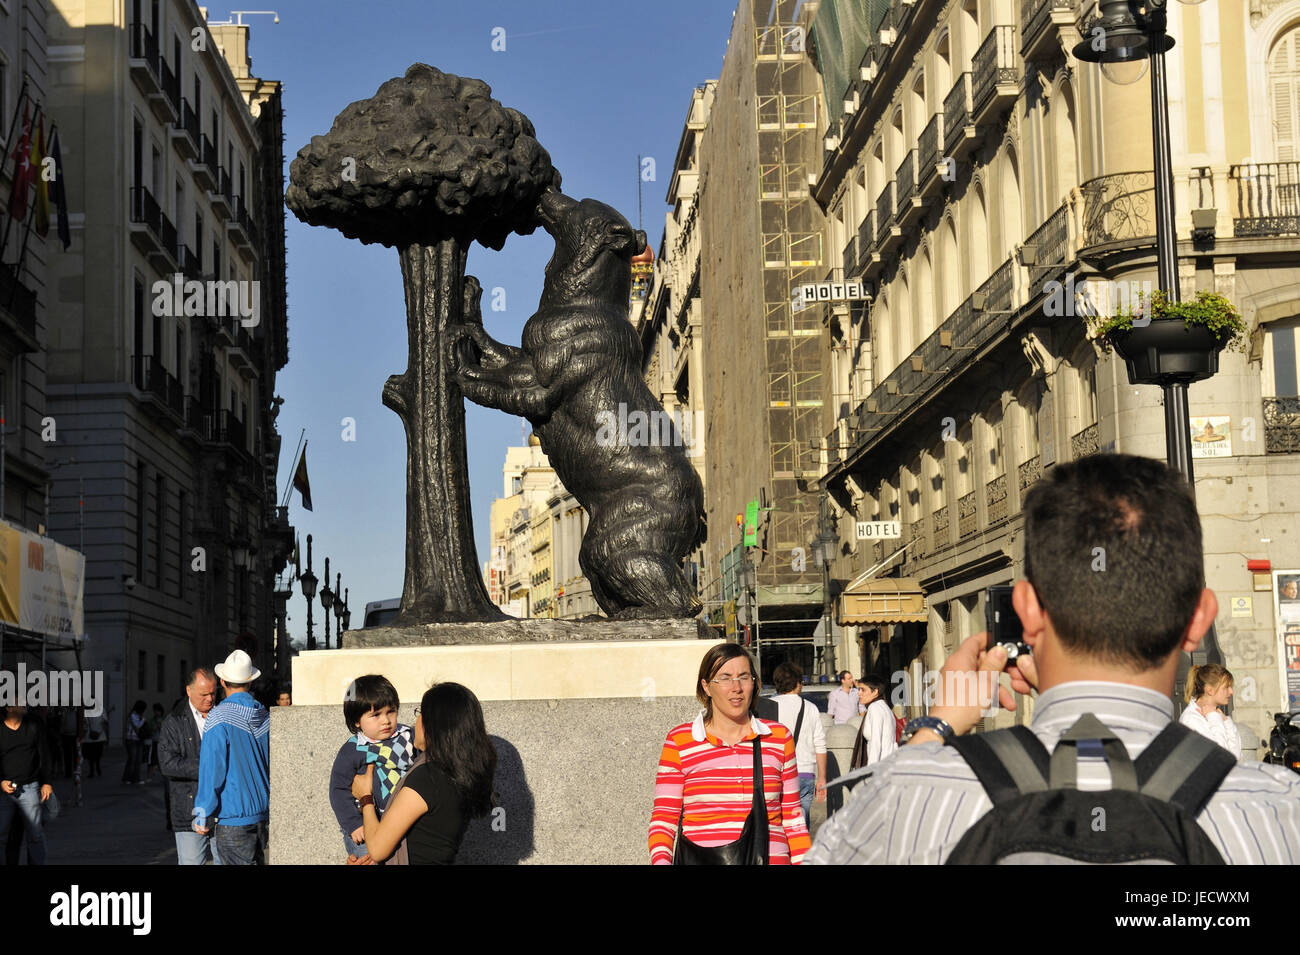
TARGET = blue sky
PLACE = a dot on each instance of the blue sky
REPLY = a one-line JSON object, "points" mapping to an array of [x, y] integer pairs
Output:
{"points": [[601, 81]]}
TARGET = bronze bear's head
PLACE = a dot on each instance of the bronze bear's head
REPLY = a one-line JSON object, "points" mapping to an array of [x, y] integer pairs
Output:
{"points": [[594, 246]]}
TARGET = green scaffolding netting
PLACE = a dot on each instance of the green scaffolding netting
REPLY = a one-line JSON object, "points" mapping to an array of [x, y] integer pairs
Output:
{"points": [[841, 33]]}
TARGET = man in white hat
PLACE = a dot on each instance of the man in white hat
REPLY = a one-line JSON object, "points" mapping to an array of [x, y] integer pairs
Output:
{"points": [[235, 768]]}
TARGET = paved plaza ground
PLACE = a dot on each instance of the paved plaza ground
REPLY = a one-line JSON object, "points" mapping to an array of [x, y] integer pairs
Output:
{"points": [[114, 825]]}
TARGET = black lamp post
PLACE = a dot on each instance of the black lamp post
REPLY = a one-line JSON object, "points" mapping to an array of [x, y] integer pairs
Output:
{"points": [[347, 613], [1123, 40], [308, 581], [327, 601]]}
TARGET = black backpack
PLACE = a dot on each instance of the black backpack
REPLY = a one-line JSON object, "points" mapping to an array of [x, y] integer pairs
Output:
{"points": [[1040, 816]]}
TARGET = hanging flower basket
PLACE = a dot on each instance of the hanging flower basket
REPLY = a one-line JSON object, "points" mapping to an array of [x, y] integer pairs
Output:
{"points": [[1180, 341]]}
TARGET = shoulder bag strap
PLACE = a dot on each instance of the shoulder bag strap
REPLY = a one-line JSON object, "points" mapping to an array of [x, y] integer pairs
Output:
{"points": [[759, 807], [798, 724], [1008, 763]]}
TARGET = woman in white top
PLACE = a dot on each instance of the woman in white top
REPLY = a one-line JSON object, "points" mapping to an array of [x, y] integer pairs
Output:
{"points": [[1208, 688], [878, 737]]}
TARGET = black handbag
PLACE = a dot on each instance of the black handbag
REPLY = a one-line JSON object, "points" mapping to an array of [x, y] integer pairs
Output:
{"points": [[752, 846]]}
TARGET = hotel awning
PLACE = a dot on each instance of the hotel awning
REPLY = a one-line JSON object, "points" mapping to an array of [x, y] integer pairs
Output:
{"points": [[888, 600]]}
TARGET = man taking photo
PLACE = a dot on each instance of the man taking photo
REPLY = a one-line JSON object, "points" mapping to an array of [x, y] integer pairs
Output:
{"points": [[1106, 646]]}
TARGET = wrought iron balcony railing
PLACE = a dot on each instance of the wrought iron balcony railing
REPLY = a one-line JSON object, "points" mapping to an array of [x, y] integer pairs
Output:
{"points": [[1265, 198], [956, 110], [905, 180], [1118, 208], [884, 211], [1051, 243], [995, 498], [927, 152], [1086, 442], [1030, 472], [993, 65], [967, 515], [144, 46], [1282, 424]]}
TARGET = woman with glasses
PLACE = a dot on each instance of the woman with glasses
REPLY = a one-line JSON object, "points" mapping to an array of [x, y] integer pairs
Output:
{"points": [[707, 809]]}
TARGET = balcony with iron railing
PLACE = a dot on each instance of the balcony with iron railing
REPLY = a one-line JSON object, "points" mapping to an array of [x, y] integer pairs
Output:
{"points": [[1040, 24], [151, 231], [204, 166], [1085, 442], [1118, 211], [1050, 247], [159, 384], [995, 499], [995, 74], [221, 198], [850, 257], [928, 154], [907, 204], [241, 229], [866, 241], [939, 521], [190, 264], [185, 131], [888, 234], [967, 515], [945, 353], [1282, 424], [1030, 472], [1265, 198], [167, 101], [959, 133], [144, 59]]}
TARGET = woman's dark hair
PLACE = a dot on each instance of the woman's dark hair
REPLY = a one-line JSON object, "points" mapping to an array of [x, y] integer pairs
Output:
{"points": [[787, 677], [457, 742], [1113, 550], [714, 660], [873, 682], [366, 693], [139, 706]]}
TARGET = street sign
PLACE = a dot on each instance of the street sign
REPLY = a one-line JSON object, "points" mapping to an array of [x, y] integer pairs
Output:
{"points": [[879, 530]]}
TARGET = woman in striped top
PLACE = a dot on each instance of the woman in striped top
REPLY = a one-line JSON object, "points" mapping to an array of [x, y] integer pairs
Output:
{"points": [[707, 766]]}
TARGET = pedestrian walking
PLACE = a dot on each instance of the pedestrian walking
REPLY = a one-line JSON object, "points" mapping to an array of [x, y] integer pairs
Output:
{"points": [[1105, 652], [804, 721], [727, 789], [447, 786], [137, 732], [1209, 687], [26, 776], [234, 791], [155, 725], [93, 746], [878, 734], [180, 745], [842, 703]]}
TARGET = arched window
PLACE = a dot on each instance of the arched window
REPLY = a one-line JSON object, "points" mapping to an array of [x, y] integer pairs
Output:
{"points": [[917, 107], [1008, 186], [977, 238], [902, 324], [1064, 142], [884, 335], [949, 270], [896, 140], [926, 320], [943, 65], [968, 28], [1284, 95]]}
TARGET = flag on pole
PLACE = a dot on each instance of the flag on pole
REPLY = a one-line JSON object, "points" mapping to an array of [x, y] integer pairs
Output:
{"points": [[22, 170], [37, 174], [60, 194], [300, 481]]}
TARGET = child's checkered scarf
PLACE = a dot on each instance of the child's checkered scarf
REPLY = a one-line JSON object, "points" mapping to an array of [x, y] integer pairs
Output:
{"points": [[392, 757]]}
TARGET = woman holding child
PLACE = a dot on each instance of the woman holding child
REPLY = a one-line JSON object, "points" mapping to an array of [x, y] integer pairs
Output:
{"points": [[449, 784]]}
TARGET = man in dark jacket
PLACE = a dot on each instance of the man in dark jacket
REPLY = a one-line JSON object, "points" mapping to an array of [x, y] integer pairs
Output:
{"points": [[26, 771], [179, 742]]}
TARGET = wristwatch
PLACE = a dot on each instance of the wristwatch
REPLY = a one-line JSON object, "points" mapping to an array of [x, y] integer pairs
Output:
{"points": [[369, 800], [926, 723]]}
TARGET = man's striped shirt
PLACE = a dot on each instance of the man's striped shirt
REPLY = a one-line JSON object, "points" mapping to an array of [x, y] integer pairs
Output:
{"points": [[715, 781], [917, 805]]}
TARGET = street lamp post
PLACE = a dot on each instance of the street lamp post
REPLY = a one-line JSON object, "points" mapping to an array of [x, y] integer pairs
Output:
{"points": [[327, 601], [1122, 42], [308, 581], [347, 613]]}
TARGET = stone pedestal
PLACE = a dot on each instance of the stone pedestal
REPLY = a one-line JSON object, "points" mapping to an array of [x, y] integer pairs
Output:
{"points": [[578, 714]]}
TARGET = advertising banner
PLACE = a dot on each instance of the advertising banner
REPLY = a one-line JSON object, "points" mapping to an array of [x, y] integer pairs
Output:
{"points": [[42, 584], [1286, 604]]}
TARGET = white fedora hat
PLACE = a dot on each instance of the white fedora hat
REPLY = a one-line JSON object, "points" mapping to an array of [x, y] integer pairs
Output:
{"points": [[238, 668]]}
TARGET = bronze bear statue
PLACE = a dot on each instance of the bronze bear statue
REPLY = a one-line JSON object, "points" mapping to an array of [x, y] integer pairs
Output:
{"points": [[579, 368]]}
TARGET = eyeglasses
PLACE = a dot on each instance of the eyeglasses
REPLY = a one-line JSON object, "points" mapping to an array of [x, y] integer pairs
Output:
{"points": [[725, 682]]}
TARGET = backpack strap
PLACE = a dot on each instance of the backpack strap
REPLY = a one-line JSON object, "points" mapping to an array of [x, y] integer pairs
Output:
{"points": [[798, 724], [1089, 736], [1008, 763], [1182, 767]]}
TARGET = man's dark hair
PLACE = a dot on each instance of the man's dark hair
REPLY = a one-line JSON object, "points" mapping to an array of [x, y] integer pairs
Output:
{"points": [[843, 673], [366, 693], [787, 677], [1113, 549]]}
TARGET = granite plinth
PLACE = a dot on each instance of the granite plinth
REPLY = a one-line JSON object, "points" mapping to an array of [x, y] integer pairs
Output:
{"points": [[516, 630], [575, 780]]}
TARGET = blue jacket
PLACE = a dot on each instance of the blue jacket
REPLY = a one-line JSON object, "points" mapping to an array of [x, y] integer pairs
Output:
{"points": [[235, 763]]}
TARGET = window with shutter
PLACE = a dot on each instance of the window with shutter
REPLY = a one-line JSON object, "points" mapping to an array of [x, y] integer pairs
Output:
{"points": [[1284, 86]]}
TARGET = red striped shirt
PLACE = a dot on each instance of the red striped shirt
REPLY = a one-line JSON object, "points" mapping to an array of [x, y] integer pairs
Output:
{"points": [[716, 783]]}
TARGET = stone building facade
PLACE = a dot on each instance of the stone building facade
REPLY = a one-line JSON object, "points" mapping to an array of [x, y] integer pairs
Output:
{"points": [[971, 165]]}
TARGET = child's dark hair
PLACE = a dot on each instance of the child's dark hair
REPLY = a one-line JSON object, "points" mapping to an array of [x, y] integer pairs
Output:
{"points": [[366, 693]]}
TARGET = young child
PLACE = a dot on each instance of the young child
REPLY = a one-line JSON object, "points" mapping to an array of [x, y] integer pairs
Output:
{"points": [[370, 711]]}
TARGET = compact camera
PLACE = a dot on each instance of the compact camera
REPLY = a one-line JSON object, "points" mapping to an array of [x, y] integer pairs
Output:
{"points": [[1003, 623]]}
